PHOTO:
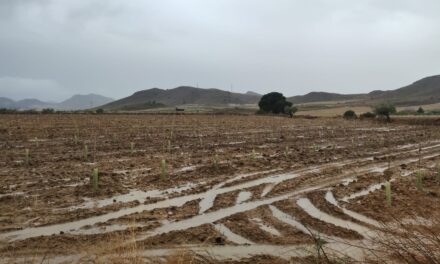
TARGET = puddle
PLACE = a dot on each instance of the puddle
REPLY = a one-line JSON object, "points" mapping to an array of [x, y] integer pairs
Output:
{"points": [[243, 196], [314, 212], [265, 227], [288, 219], [364, 192], [329, 197], [231, 236], [267, 189]]}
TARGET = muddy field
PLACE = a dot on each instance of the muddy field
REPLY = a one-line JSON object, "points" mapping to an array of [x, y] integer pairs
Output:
{"points": [[229, 189]]}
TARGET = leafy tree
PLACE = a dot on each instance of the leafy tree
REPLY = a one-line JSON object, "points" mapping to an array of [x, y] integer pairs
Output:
{"points": [[385, 110], [420, 111], [291, 110], [350, 114], [274, 103], [99, 111]]}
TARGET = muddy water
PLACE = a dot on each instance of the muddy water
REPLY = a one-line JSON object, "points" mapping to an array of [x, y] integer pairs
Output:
{"points": [[329, 197], [265, 227], [243, 196], [231, 236], [179, 201], [311, 210]]}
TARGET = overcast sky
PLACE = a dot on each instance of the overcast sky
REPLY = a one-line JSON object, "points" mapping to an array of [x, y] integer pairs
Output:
{"points": [[53, 49]]}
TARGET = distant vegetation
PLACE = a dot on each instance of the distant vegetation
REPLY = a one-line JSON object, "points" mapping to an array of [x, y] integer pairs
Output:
{"points": [[385, 110], [350, 114], [141, 106], [276, 103]]}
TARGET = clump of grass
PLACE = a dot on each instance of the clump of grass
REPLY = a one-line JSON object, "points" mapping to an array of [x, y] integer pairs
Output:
{"points": [[86, 152], [215, 162], [94, 179], [169, 145], [419, 180], [388, 193], [286, 152], [26, 156], [253, 155], [132, 147], [163, 169]]}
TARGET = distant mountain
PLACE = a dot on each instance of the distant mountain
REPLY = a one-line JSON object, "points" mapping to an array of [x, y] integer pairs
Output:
{"points": [[79, 101], [76, 102], [6, 102], [323, 96], [424, 91], [180, 96]]}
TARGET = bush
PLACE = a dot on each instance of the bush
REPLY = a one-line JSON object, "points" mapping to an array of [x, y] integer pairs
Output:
{"points": [[385, 110], [47, 111], [420, 111], [290, 110], [100, 111], [274, 103], [350, 114], [368, 115]]}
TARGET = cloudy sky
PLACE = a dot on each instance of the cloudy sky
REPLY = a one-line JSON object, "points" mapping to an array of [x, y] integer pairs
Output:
{"points": [[53, 49]]}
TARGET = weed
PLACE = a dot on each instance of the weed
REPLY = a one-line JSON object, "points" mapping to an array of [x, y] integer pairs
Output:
{"points": [[163, 169], [26, 156], [94, 179], [388, 193], [132, 147]]}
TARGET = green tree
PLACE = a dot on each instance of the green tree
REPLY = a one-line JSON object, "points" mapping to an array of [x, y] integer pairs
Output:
{"points": [[350, 114], [290, 110], [385, 110], [99, 111], [420, 111], [274, 103]]}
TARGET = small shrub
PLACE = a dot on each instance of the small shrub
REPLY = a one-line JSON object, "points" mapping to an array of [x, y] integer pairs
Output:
{"points": [[350, 114], [368, 115], [26, 156], [163, 169], [420, 111], [47, 111], [100, 111], [385, 110], [388, 193], [94, 179]]}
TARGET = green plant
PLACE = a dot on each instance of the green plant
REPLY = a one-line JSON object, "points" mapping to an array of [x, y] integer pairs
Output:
{"points": [[86, 152], [253, 155], [26, 156], [163, 169], [99, 111], [169, 145], [290, 110], [419, 180], [385, 110], [286, 152], [215, 162], [388, 193], [350, 114], [274, 102], [420, 111], [132, 147], [94, 179]]}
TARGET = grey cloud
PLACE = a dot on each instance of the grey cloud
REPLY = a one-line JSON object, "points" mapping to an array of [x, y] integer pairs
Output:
{"points": [[118, 47]]}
